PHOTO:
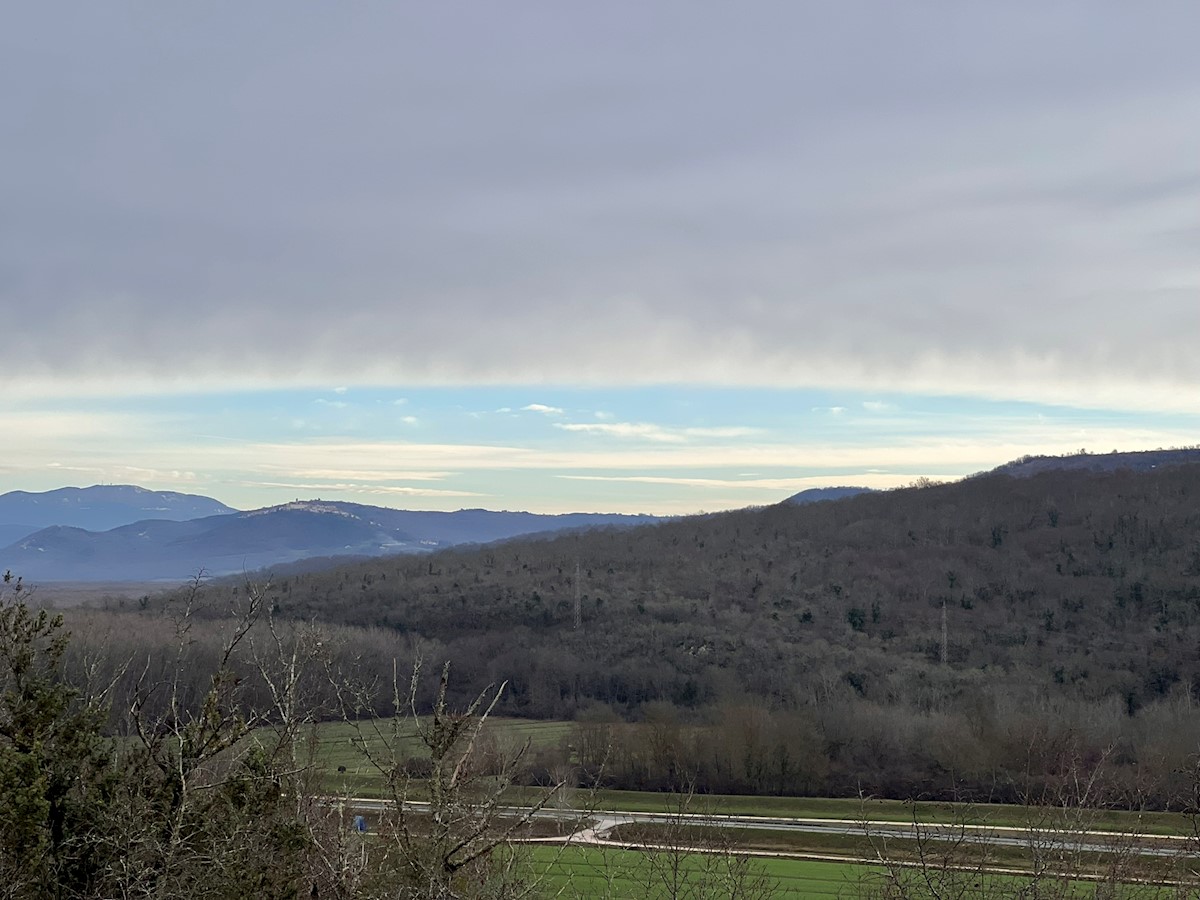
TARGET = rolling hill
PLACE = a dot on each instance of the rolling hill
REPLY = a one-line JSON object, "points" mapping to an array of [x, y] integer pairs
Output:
{"points": [[97, 508], [161, 549], [1087, 581], [1135, 461], [820, 495]]}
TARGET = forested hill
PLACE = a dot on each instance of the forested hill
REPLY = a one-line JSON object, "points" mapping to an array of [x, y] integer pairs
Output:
{"points": [[1068, 583], [1137, 461]]}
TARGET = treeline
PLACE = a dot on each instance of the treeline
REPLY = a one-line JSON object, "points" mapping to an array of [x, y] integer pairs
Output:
{"points": [[959, 736], [1022, 753]]}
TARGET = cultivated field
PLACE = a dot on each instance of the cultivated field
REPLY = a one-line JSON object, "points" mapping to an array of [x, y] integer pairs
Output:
{"points": [[592, 872]]}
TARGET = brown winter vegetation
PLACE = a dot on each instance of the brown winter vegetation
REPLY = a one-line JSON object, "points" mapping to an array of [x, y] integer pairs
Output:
{"points": [[799, 649]]}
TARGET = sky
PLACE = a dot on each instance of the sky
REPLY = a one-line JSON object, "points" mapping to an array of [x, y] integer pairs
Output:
{"points": [[642, 257]]}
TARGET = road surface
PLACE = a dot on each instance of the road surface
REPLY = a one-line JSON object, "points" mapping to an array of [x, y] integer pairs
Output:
{"points": [[594, 827]]}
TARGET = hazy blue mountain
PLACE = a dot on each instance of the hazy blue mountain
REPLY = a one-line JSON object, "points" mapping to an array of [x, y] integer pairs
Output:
{"points": [[10, 533], [480, 526], [97, 508], [159, 549], [816, 495]]}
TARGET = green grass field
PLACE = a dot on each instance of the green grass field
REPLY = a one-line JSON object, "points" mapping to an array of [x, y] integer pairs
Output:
{"points": [[586, 872], [337, 748], [1152, 868], [589, 872]]}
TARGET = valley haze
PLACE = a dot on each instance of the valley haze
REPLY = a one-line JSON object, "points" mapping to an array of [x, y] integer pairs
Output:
{"points": [[127, 533]]}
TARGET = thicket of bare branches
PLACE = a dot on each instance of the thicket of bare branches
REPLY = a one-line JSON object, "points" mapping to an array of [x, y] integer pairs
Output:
{"points": [[1061, 850], [203, 784]]}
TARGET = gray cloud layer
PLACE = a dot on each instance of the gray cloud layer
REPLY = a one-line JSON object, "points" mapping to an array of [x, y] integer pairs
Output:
{"points": [[1001, 198]]}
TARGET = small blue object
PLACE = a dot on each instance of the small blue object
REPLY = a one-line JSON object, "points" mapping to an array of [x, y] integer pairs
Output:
{"points": [[360, 824]]}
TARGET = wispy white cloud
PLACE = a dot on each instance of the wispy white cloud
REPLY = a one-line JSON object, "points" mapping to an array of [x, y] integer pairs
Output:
{"points": [[542, 408], [725, 431], [644, 430], [649, 431], [357, 488], [244, 471], [746, 484], [920, 453], [878, 406], [47, 428], [372, 475], [159, 476]]}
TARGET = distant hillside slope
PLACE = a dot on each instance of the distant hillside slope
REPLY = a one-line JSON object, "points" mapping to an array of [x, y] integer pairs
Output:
{"points": [[104, 506], [97, 508], [481, 526], [1064, 581], [819, 495], [1136, 461], [157, 549]]}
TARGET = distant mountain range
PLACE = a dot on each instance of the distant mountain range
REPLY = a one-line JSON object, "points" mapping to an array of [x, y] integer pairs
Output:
{"points": [[128, 533], [165, 549], [97, 508]]}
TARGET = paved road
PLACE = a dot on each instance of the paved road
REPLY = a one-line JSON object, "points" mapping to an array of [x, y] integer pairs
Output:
{"points": [[594, 829]]}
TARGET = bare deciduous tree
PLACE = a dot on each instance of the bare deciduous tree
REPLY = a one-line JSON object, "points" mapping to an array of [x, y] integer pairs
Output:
{"points": [[459, 839]]}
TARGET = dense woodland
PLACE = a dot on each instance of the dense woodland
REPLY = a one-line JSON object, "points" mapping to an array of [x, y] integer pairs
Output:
{"points": [[799, 649]]}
